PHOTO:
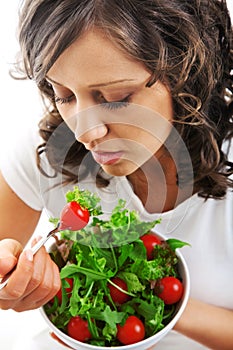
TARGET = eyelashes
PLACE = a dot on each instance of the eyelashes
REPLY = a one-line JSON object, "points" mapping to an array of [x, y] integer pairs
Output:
{"points": [[63, 100], [107, 105], [116, 104]]}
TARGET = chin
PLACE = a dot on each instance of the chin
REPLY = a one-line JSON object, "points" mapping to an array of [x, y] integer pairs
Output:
{"points": [[119, 169]]}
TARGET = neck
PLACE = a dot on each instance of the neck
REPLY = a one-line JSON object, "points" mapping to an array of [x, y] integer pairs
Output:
{"points": [[155, 183]]}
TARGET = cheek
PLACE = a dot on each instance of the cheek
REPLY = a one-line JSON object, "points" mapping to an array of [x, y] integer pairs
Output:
{"points": [[141, 143], [67, 112], [147, 130], [146, 144], [158, 98]]}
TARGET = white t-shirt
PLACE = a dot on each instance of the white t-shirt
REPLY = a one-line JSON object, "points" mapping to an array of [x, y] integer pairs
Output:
{"points": [[206, 225]]}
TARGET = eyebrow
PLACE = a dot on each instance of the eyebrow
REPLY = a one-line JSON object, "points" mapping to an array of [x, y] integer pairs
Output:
{"points": [[110, 83], [53, 81], [96, 85]]}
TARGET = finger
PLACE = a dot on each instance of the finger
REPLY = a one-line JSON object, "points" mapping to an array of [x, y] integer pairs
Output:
{"points": [[20, 278], [39, 270], [11, 296], [35, 240], [56, 285], [45, 291], [10, 246], [10, 250]]}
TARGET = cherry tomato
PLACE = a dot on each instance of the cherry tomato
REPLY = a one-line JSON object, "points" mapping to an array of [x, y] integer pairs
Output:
{"points": [[68, 290], [170, 290], [149, 241], [131, 332], [77, 328], [73, 217], [118, 296]]}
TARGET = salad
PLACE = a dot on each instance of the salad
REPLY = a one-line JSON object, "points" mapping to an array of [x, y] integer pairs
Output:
{"points": [[120, 281]]}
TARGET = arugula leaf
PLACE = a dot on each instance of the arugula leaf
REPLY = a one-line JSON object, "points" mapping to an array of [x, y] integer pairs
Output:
{"points": [[176, 243], [92, 275], [110, 317]]}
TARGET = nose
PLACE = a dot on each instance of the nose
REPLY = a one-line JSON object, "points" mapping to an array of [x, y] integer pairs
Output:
{"points": [[93, 134], [89, 126]]}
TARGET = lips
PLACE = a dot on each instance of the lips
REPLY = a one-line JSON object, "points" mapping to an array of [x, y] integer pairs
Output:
{"points": [[107, 158]]}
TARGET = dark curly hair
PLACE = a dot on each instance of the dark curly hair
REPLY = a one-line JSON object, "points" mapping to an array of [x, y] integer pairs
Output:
{"points": [[187, 43]]}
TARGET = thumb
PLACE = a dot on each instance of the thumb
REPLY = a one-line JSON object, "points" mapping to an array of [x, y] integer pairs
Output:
{"points": [[10, 250]]}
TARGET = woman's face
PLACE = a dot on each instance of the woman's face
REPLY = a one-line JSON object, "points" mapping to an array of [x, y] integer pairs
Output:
{"points": [[101, 94]]}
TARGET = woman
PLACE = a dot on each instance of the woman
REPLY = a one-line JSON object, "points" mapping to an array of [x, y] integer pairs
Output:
{"points": [[139, 106]]}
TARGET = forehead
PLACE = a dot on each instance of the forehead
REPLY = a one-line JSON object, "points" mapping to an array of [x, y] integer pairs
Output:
{"points": [[94, 58]]}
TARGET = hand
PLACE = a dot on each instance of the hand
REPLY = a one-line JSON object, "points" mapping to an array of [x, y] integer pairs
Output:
{"points": [[34, 282]]}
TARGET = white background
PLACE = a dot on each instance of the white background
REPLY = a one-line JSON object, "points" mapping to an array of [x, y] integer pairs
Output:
{"points": [[19, 105]]}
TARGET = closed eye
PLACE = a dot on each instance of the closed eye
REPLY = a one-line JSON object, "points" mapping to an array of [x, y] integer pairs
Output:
{"points": [[63, 100], [116, 104]]}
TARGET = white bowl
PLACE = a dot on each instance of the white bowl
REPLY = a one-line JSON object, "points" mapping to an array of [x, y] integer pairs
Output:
{"points": [[147, 342]]}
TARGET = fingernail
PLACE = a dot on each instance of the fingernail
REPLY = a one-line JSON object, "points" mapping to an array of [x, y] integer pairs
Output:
{"points": [[29, 254], [35, 240]]}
